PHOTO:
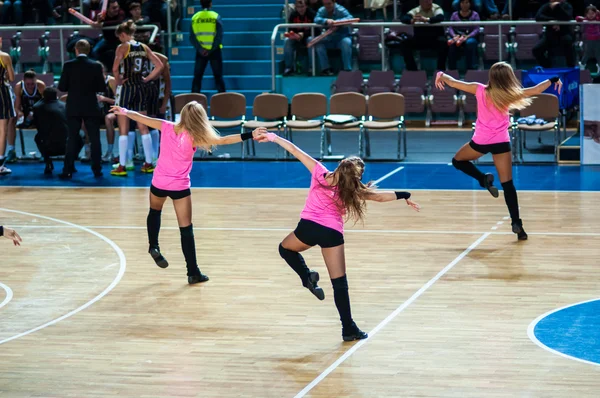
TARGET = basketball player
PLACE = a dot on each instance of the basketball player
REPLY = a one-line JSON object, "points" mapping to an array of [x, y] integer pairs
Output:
{"points": [[27, 93], [131, 61], [494, 101], [159, 93], [7, 109], [332, 197], [11, 234], [106, 100], [172, 175]]}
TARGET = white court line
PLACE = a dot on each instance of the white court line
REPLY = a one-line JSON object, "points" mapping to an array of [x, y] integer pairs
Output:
{"points": [[390, 317], [9, 294], [351, 231], [532, 337], [391, 173], [122, 267]]}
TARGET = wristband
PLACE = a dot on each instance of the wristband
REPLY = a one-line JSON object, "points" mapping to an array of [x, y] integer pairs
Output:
{"points": [[246, 136], [554, 79], [1, 230], [271, 137], [402, 195]]}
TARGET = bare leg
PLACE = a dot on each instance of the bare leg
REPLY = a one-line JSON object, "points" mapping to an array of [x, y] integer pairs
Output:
{"points": [[3, 128]]}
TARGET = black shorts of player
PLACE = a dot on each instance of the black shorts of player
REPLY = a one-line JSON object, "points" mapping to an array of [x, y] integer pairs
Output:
{"points": [[7, 110], [152, 103], [312, 234], [174, 195], [494, 149], [132, 97]]}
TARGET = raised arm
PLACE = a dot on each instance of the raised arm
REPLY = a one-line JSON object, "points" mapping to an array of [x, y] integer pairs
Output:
{"points": [[543, 86], [443, 78], [298, 153], [138, 117]]}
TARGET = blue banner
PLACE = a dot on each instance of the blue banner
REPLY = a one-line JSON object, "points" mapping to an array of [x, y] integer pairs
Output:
{"points": [[569, 96]]}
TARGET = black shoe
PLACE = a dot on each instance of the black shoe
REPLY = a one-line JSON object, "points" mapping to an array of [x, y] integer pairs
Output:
{"points": [[158, 258], [98, 174], [353, 333], [517, 228], [313, 278], [49, 168], [488, 183], [65, 176], [197, 279], [327, 72]]}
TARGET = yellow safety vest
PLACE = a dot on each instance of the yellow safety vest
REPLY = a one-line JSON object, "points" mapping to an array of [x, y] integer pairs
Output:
{"points": [[204, 25]]}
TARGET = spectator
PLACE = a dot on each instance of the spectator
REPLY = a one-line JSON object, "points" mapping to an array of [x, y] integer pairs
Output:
{"points": [[50, 119], [555, 35], [156, 10], [591, 37], [206, 35], [135, 9], [298, 36], [315, 5], [104, 50], [92, 8], [327, 14], [486, 7], [12, 8], [432, 38], [463, 36]]}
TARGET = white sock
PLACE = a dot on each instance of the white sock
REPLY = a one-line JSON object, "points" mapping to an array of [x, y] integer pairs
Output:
{"points": [[122, 150], [147, 144], [110, 148], [155, 142], [130, 145]]}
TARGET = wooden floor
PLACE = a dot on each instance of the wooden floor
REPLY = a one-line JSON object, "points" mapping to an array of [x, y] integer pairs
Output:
{"points": [[450, 291]]}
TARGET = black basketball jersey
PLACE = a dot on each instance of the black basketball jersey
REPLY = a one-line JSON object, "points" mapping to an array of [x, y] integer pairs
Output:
{"points": [[3, 72], [136, 63], [29, 100]]}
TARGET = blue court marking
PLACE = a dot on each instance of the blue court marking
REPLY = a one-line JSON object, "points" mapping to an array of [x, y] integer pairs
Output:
{"points": [[265, 174], [572, 331]]}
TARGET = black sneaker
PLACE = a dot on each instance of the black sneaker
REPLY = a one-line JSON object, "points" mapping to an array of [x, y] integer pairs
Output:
{"points": [[517, 228], [313, 278], [353, 333], [158, 258], [488, 183], [197, 279]]}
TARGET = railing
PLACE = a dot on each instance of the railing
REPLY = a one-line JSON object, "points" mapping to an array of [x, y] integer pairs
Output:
{"points": [[384, 25], [75, 27]]}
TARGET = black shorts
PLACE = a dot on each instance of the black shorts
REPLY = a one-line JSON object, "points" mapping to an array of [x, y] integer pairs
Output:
{"points": [[152, 101], [310, 233], [7, 100], [132, 96], [161, 193], [494, 149]]}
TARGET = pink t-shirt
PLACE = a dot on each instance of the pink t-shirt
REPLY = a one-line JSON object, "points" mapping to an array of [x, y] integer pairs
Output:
{"points": [[321, 204], [174, 164], [492, 125]]}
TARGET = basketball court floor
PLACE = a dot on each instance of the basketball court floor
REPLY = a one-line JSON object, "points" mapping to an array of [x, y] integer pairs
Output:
{"points": [[455, 306]]}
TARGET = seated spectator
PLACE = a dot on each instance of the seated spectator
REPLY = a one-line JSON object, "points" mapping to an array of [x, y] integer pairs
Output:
{"points": [[555, 35], [12, 11], [135, 9], [485, 7], [50, 118], [432, 38], [591, 37], [327, 14], [464, 37], [27, 93], [297, 36], [105, 48]]}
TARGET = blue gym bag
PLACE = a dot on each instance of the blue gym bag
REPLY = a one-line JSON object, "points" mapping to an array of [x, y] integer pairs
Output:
{"points": [[569, 96]]}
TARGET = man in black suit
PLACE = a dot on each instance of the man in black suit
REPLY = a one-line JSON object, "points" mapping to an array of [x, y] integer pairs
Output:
{"points": [[81, 79], [50, 119]]}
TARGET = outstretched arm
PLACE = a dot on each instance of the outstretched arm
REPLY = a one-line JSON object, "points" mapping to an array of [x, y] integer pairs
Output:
{"points": [[138, 117], [390, 196], [298, 153], [541, 87], [11, 234], [235, 138], [442, 78]]}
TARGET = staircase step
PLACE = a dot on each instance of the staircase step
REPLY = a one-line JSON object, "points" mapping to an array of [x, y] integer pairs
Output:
{"points": [[247, 53], [245, 11], [246, 39], [181, 68], [241, 24], [232, 82]]}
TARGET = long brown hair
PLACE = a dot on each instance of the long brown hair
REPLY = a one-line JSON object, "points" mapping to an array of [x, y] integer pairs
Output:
{"points": [[194, 121], [504, 89], [351, 191]]}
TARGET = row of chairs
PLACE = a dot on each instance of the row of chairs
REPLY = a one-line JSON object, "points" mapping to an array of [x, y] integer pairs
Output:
{"points": [[381, 112]]}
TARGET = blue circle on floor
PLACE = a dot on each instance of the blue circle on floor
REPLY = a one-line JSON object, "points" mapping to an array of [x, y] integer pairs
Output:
{"points": [[573, 331]]}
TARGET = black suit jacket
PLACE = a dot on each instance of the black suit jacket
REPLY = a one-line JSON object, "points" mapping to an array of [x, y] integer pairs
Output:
{"points": [[50, 119], [82, 78]]}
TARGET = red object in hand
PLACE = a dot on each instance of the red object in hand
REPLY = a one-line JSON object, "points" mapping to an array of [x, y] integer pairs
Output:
{"points": [[579, 19]]}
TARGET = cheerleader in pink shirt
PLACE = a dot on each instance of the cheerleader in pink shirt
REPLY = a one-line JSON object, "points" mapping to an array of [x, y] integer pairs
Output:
{"points": [[495, 100], [333, 196]]}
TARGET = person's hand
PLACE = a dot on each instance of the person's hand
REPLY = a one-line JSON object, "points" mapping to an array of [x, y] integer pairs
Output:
{"points": [[19, 114], [119, 80], [414, 205], [558, 86], [329, 22], [100, 98], [11, 234], [117, 110], [439, 80], [258, 133], [556, 28]]}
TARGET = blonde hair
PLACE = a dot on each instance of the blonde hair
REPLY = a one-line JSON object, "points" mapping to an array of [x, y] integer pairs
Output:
{"points": [[194, 121], [351, 191], [504, 89], [127, 27]]}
